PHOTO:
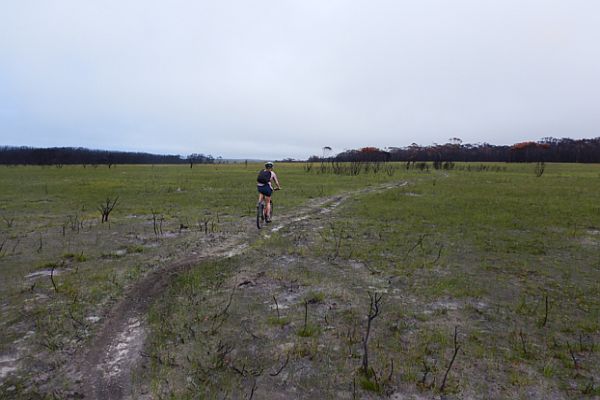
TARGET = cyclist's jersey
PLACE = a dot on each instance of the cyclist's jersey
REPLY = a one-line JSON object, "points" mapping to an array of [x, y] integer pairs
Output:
{"points": [[273, 178]]}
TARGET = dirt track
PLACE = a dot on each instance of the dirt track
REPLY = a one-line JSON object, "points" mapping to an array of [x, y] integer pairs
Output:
{"points": [[104, 368]]}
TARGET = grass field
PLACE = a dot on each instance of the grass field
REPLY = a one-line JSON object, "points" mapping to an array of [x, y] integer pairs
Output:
{"points": [[498, 264]]}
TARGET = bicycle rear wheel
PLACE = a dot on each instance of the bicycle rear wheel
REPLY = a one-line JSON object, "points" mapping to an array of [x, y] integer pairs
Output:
{"points": [[260, 216]]}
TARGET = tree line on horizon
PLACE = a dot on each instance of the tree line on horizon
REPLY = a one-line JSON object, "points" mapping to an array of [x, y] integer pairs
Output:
{"points": [[546, 150], [78, 155]]}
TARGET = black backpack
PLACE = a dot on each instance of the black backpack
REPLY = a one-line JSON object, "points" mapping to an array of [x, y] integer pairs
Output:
{"points": [[264, 177]]}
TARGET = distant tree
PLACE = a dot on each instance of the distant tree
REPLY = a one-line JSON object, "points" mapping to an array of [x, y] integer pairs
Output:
{"points": [[546, 150], [195, 158], [529, 151], [72, 155]]}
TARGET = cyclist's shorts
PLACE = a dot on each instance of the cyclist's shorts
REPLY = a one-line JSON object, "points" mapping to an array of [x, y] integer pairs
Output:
{"points": [[267, 190]]}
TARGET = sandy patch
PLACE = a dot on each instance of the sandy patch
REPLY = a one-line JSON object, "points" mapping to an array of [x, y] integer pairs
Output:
{"points": [[124, 348]]}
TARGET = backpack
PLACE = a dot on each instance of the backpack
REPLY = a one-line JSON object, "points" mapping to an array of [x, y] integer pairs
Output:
{"points": [[264, 177]]}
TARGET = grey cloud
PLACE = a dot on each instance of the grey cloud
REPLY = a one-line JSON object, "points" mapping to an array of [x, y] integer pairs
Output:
{"points": [[223, 77]]}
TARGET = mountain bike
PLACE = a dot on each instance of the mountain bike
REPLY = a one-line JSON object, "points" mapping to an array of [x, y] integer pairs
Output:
{"points": [[260, 213]]}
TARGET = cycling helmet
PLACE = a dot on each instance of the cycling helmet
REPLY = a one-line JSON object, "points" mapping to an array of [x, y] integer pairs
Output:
{"points": [[269, 165]]}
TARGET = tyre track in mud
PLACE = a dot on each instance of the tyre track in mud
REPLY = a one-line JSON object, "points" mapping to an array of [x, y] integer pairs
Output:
{"points": [[103, 370]]}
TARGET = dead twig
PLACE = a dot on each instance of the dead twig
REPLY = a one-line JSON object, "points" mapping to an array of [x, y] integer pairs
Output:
{"points": [[41, 244], [106, 208], [169, 363], [523, 344], [374, 311], [223, 349], [52, 277], [224, 311], [305, 314], [220, 317], [253, 389], [76, 320], [2, 251], [282, 367], [249, 332], [546, 312], [157, 221], [9, 221], [456, 348], [242, 371], [276, 306], [419, 243], [338, 237], [246, 372], [575, 362], [439, 255]]}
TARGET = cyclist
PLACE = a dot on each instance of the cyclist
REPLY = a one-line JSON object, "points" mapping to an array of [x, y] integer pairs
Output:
{"points": [[265, 188]]}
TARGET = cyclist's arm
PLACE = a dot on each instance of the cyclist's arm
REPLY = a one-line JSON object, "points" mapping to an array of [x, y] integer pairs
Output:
{"points": [[274, 178]]}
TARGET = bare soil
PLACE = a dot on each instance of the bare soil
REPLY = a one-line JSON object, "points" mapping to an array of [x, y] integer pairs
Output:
{"points": [[104, 368]]}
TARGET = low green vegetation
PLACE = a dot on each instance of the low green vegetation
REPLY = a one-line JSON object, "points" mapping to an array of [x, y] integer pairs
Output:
{"points": [[488, 277], [62, 268], [507, 260]]}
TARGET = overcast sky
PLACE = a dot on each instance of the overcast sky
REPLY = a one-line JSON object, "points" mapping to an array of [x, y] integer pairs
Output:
{"points": [[274, 79]]}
